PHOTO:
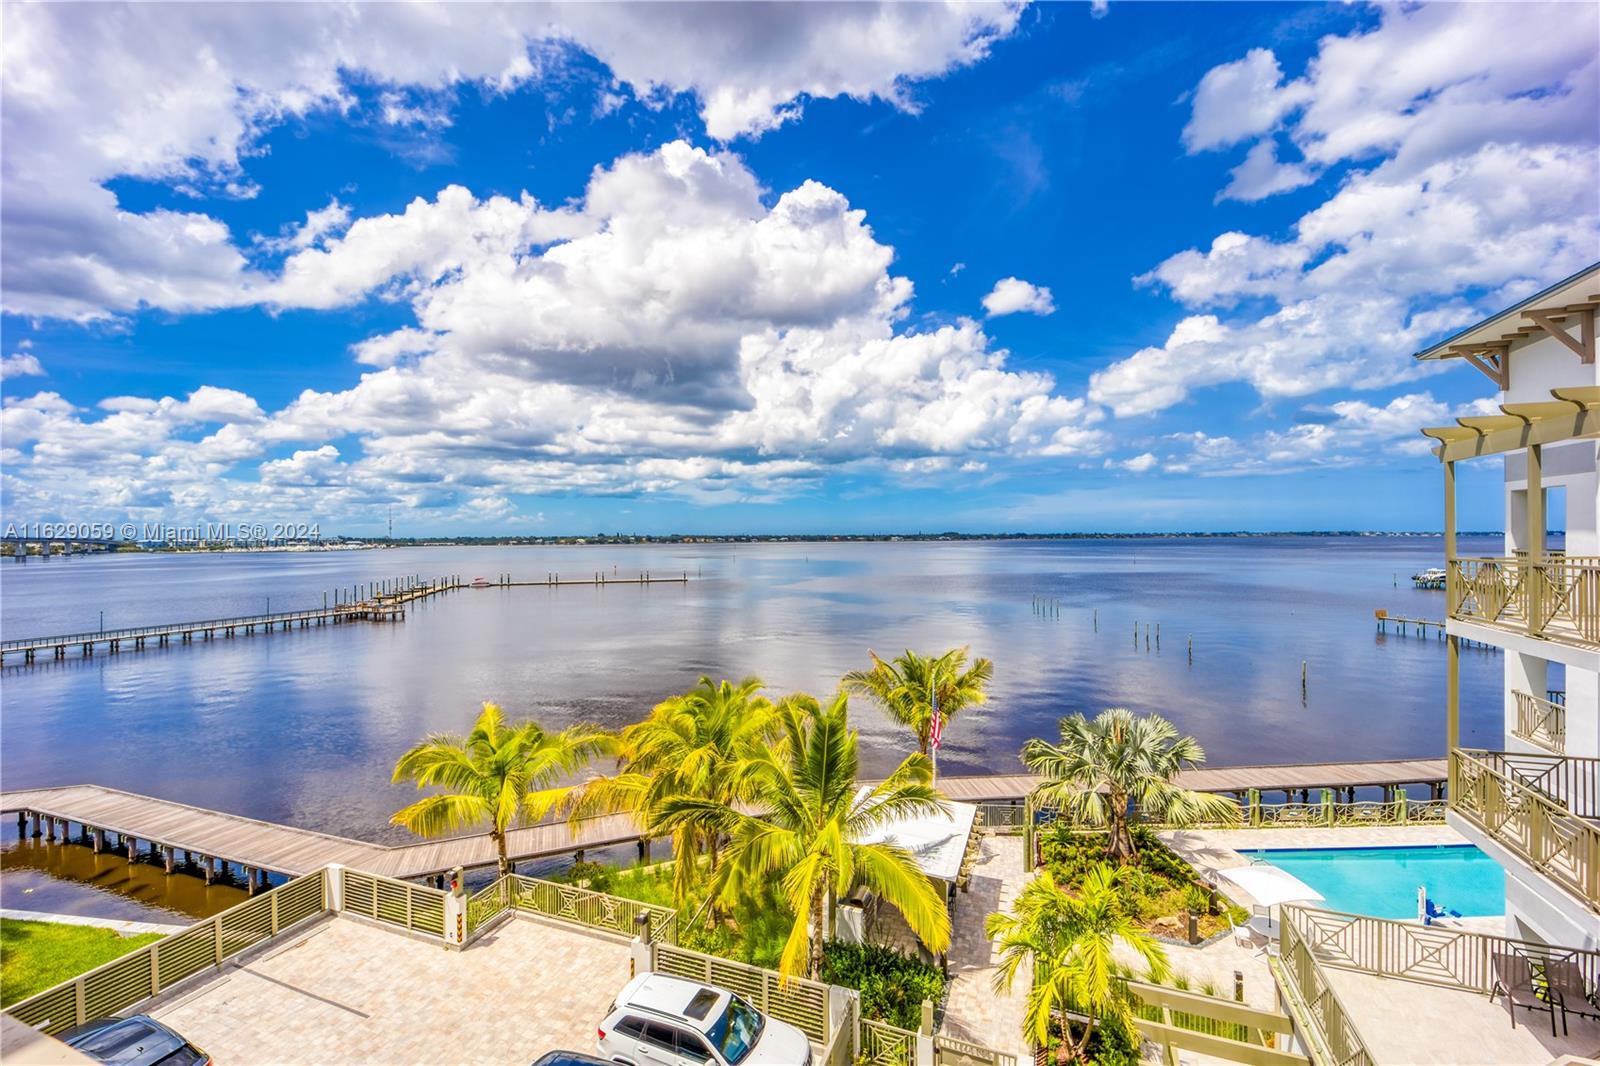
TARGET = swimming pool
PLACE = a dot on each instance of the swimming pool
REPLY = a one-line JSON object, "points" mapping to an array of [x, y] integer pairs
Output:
{"points": [[1382, 882]]}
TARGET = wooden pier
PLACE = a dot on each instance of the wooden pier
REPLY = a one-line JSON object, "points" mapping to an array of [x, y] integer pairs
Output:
{"points": [[185, 632], [1403, 625], [377, 601], [1288, 778], [259, 848]]}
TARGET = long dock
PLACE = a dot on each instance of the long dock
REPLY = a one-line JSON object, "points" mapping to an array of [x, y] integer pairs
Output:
{"points": [[209, 629], [1287, 778], [261, 847], [381, 601]]}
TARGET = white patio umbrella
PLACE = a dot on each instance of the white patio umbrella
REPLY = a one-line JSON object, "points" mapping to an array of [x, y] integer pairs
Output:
{"points": [[1270, 886]]}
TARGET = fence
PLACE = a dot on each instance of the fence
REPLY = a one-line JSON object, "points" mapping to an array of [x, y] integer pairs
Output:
{"points": [[799, 1002], [948, 1051], [137, 976], [1426, 954], [1329, 1023], [596, 910], [883, 1044], [484, 906], [1004, 818], [1191, 1021], [415, 908], [1558, 597], [1537, 807]]}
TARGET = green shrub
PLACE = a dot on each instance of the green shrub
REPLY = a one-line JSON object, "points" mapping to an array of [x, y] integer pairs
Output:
{"points": [[598, 877], [1158, 858], [1114, 1043], [1196, 900], [892, 986]]}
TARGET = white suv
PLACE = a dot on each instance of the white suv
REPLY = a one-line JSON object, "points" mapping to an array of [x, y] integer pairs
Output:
{"points": [[666, 1021]]}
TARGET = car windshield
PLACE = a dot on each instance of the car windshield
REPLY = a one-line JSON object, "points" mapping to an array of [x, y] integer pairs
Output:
{"points": [[737, 1031]]}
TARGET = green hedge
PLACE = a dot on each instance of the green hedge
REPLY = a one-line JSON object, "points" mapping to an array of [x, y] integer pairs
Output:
{"points": [[892, 986]]}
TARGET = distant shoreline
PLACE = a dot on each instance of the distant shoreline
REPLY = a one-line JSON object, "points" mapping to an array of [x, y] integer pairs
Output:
{"points": [[8, 548]]}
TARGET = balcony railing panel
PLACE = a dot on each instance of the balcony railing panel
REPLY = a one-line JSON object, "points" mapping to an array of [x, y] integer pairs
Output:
{"points": [[1539, 807], [1427, 954], [1541, 722], [1557, 598]]}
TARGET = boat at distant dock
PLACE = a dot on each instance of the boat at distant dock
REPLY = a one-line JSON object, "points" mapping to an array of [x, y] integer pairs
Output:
{"points": [[1431, 578]]}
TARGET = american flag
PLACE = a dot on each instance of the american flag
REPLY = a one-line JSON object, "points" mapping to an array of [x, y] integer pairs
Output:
{"points": [[936, 728]]}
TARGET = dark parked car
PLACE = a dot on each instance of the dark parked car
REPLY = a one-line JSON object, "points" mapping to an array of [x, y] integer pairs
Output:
{"points": [[136, 1041], [571, 1058]]}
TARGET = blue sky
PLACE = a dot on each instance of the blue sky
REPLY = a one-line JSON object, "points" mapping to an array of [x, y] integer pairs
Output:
{"points": [[766, 268]]}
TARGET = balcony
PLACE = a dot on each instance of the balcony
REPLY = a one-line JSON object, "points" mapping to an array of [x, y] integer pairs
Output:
{"points": [[1542, 808], [1557, 598], [1542, 722], [1339, 973]]}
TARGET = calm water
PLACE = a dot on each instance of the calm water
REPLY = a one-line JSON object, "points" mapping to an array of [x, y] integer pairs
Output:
{"points": [[304, 727], [1383, 882]]}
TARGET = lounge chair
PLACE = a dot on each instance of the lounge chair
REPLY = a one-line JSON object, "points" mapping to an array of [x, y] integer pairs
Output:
{"points": [[1245, 937], [1513, 978], [1566, 988]]}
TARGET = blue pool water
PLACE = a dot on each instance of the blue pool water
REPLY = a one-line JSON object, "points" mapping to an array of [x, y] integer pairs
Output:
{"points": [[1382, 882]]}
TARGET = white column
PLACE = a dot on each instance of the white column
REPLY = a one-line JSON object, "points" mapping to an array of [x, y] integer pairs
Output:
{"points": [[455, 910]]}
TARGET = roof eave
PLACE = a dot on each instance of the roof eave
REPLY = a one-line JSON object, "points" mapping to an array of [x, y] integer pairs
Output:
{"points": [[1438, 350]]}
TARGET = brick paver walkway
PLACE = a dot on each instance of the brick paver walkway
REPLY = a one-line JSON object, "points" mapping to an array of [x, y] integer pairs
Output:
{"points": [[349, 993], [974, 1010]]}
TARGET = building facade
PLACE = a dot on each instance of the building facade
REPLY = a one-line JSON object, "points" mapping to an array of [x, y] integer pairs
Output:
{"points": [[1533, 800]]}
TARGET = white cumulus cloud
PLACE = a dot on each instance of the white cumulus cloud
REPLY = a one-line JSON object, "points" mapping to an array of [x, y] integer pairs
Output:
{"points": [[183, 94], [1012, 295], [678, 328], [1467, 132]]}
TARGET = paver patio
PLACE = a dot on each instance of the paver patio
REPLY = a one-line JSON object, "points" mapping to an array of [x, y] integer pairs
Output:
{"points": [[346, 992], [974, 1010]]}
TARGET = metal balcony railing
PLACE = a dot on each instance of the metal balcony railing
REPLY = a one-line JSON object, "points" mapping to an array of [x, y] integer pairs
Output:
{"points": [[1542, 808], [1541, 722], [1557, 598]]}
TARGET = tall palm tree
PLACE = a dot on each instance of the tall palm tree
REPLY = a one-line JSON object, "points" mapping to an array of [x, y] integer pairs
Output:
{"points": [[697, 745], [498, 773], [807, 833], [907, 686], [1104, 763], [1070, 942]]}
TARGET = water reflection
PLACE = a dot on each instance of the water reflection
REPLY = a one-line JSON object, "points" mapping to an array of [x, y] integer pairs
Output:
{"points": [[57, 878], [304, 727]]}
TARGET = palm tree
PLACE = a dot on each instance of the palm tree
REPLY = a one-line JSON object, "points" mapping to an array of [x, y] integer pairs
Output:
{"points": [[1070, 941], [807, 835], [498, 773], [695, 745], [1118, 757], [906, 687]]}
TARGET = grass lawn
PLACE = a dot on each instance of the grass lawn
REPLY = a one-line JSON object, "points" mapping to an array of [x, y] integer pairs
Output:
{"points": [[36, 955]]}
